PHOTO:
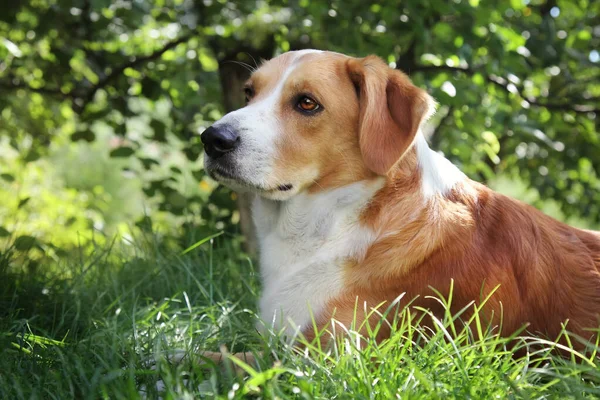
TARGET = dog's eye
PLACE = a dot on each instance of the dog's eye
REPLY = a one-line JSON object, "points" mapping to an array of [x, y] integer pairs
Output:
{"points": [[249, 93], [306, 104]]}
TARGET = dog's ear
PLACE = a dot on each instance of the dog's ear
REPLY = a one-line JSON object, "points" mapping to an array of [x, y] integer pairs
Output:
{"points": [[391, 111]]}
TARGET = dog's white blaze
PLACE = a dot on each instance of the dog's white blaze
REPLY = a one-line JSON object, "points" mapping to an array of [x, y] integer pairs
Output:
{"points": [[438, 174], [304, 242], [260, 128]]}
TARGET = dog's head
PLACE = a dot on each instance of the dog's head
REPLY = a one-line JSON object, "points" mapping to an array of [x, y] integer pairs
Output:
{"points": [[315, 120]]}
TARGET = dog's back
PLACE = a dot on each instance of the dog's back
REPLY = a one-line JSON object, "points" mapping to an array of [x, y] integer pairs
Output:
{"points": [[542, 273]]}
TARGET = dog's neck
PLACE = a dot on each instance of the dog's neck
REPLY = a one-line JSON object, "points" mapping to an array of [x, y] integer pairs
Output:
{"points": [[421, 177], [435, 175], [308, 223], [425, 203], [308, 240], [304, 243]]}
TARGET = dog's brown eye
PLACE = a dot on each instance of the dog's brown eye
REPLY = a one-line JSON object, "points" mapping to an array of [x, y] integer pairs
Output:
{"points": [[248, 93], [307, 104]]}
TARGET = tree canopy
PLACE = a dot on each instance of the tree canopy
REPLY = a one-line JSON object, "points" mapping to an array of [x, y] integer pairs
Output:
{"points": [[97, 88]]}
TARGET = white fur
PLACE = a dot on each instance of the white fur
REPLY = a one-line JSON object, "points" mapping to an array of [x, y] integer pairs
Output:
{"points": [[304, 242], [438, 175]]}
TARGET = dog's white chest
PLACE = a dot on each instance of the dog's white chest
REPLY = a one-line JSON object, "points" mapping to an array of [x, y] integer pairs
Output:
{"points": [[304, 243]]}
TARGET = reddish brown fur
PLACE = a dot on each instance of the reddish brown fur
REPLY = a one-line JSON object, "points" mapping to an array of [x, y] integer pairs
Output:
{"points": [[545, 272]]}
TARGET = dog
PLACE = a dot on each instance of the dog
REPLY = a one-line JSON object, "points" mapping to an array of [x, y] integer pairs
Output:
{"points": [[353, 207]]}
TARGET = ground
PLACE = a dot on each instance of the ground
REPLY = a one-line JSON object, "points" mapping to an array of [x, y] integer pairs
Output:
{"points": [[100, 327]]}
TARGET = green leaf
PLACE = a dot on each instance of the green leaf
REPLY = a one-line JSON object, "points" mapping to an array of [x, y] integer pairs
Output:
{"points": [[517, 4], [121, 129], [512, 39], [208, 62], [160, 131], [23, 202], [199, 174], [148, 162], [7, 177], [31, 156], [443, 31], [87, 136], [492, 140], [145, 224], [4, 232], [193, 152], [150, 88], [201, 242], [12, 48], [584, 35], [122, 152], [25, 242], [176, 199]]}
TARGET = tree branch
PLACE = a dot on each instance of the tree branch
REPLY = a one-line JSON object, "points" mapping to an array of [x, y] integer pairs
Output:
{"points": [[83, 98], [436, 136], [117, 71], [509, 87], [43, 90]]}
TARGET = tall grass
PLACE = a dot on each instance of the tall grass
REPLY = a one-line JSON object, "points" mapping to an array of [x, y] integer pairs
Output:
{"points": [[103, 327]]}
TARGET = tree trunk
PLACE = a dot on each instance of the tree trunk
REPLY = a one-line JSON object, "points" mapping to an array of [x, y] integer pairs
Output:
{"points": [[233, 76]]}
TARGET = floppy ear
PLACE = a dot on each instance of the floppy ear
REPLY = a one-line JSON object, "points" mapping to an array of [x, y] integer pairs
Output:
{"points": [[391, 111]]}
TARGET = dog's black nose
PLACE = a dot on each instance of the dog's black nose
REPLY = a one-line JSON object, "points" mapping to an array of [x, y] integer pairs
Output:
{"points": [[219, 140]]}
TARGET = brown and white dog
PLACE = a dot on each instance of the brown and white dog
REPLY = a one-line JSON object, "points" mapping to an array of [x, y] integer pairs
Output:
{"points": [[353, 206]]}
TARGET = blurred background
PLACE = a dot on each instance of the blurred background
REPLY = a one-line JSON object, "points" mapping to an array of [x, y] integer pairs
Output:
{"points": [[102, 103]]}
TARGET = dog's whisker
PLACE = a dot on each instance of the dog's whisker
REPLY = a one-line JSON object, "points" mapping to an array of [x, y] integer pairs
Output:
{"points": [[241, 63]]}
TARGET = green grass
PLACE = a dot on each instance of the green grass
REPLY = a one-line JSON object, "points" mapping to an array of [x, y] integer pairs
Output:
{"points": [[87, 329]]}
